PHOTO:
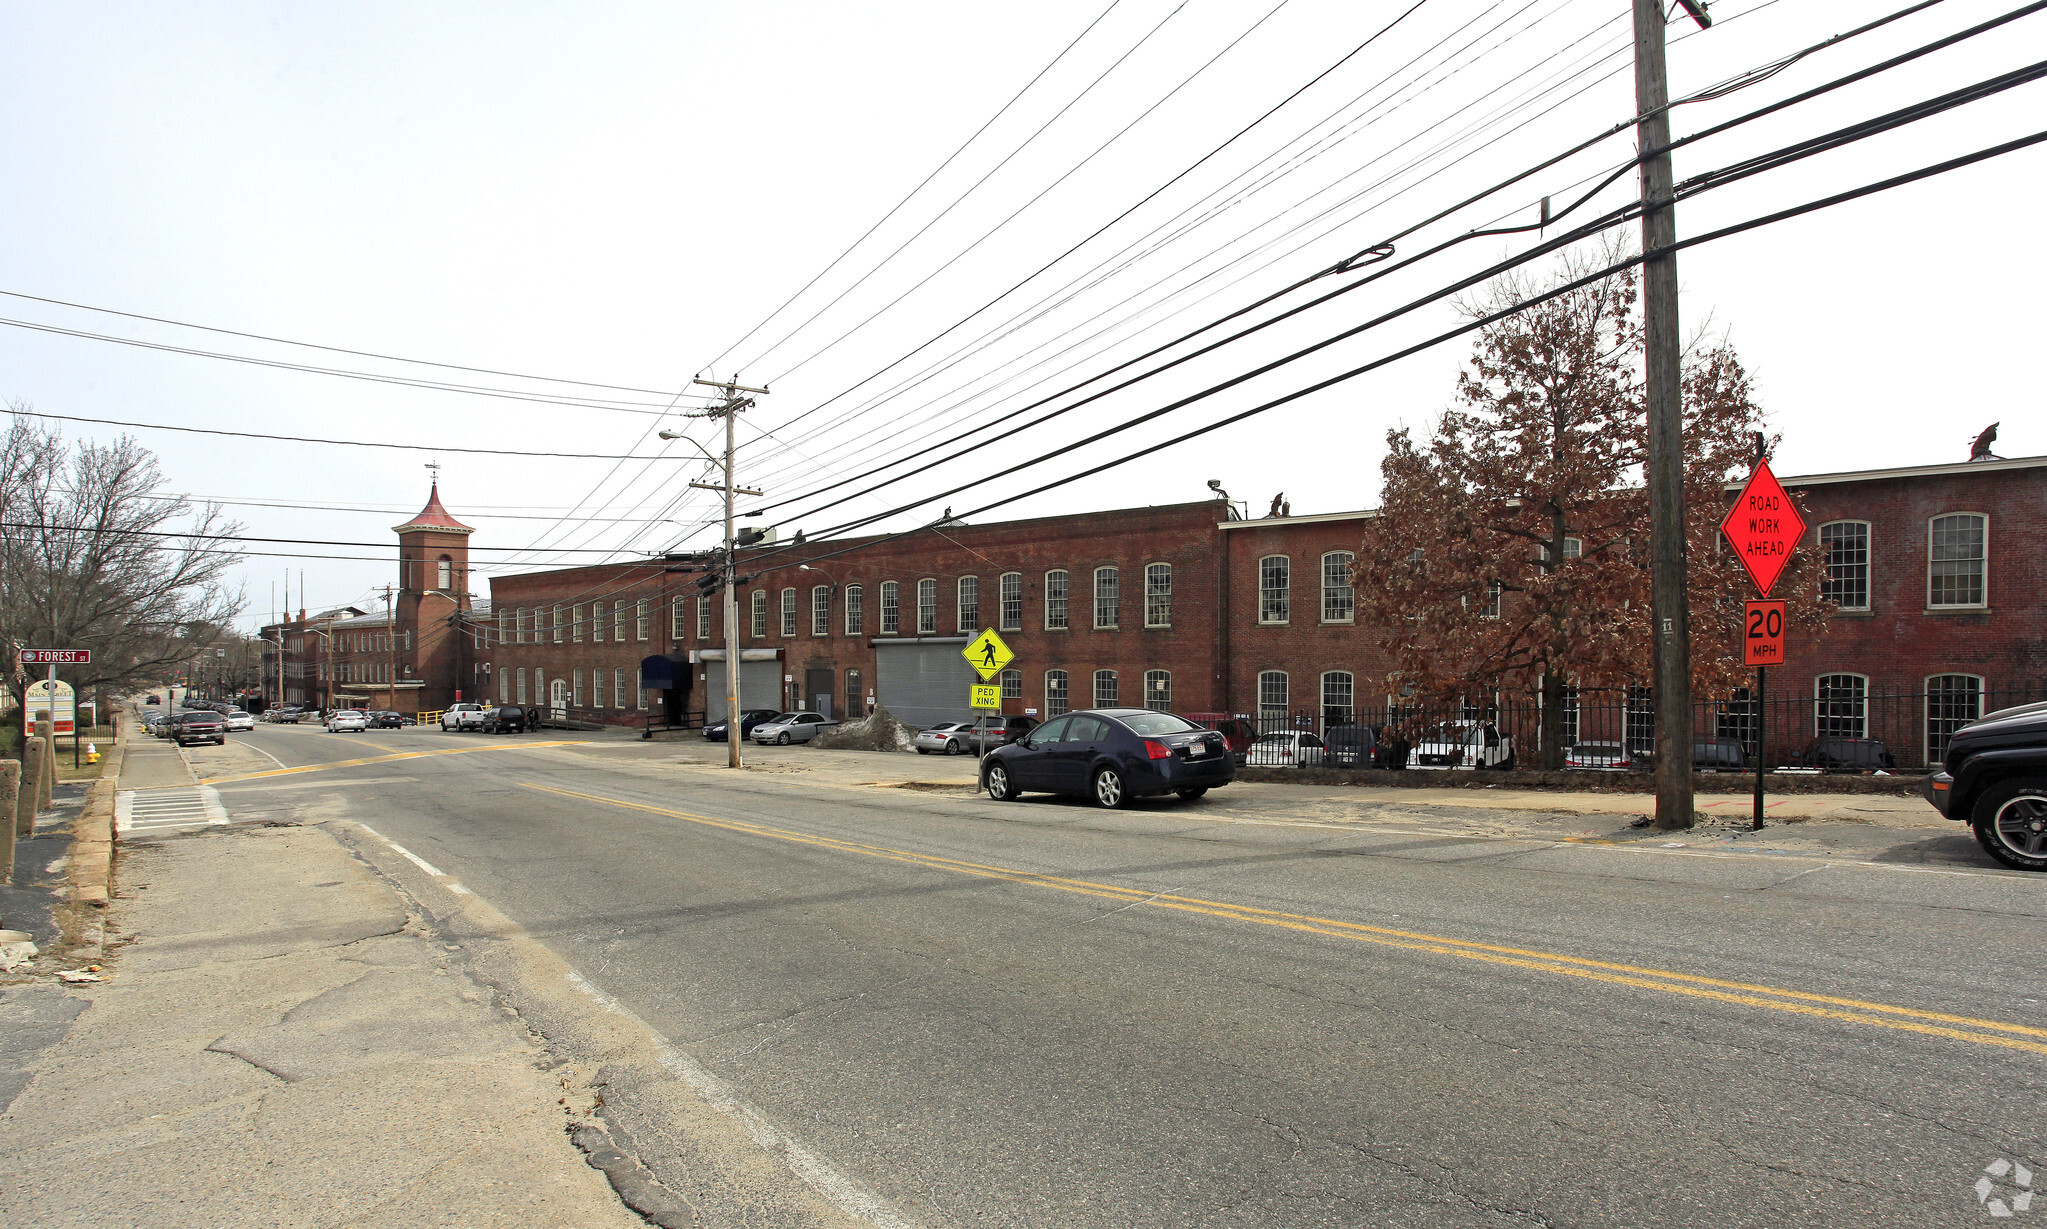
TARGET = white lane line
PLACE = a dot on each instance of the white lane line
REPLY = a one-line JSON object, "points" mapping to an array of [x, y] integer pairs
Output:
{"points": [[265, 754], [844, 1193], [405, 853]]}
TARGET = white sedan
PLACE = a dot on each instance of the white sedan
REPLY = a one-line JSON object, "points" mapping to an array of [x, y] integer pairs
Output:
{"points": [[347, 719], [1286, 749], [239, 720], [792, 728]]}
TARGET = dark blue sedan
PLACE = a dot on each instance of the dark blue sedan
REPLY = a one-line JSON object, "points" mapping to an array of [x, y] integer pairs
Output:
{"points": [[1112, 755]]}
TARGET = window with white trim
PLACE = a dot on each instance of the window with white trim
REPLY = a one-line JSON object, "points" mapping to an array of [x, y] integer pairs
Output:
{"points": [[558, 625], [1108, 596], [597, 688], [760, 614], [1957, 549], [1840, 706], [1339, 597], [618, 621], [1275, 580], [1339, 689], [678, 619], [444, 574], [821, 610], [1638, 721], [576, 623], [618, 687], [576, 686], [856, 610], [1158, 690], [927, 607], [1056, 613], [642, 619], [1952, 701], [1844, 563], [703, 618], [1272, 700], [1009, 593], [891, 609], [1012, 684], [1158, 595], [1056, 701], [522, 684], [1105, 689], [788, 612], [597, 621], [970, 603]]}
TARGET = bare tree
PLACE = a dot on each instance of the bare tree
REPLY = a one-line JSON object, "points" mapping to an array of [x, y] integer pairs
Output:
{"points": [[1511, 547], [95, 555]]}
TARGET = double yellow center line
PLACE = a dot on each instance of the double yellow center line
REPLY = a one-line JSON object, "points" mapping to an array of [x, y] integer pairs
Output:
{"points": [[385, 759], [1747, 994]]}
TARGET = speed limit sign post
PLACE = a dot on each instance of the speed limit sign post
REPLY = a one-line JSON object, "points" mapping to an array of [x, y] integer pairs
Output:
{"points": [[1763, 639], [1764, 527]]}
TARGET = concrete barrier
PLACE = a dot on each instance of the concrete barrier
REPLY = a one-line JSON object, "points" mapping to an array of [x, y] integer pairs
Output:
{"points": [[30, 796], [10, 797], [46, 730], [92, 846]]}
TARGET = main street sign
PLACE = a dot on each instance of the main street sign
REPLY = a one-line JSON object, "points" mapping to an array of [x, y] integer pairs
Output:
{"points": [[987, 654], [55, 657], [1763, 528]]}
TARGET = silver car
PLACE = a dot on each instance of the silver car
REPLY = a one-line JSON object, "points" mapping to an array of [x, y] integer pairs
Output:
{"points": [[945, 738], [792, 728], [239, 720]]}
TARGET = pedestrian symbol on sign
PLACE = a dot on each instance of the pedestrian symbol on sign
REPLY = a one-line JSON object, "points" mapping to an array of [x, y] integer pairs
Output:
{"points": [[987, 654]]}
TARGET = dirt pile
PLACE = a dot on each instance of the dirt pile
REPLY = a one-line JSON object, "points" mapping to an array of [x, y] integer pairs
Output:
{"points": [[877, 731]]}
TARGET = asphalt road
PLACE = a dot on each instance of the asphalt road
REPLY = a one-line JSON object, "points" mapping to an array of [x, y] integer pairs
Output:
{"points": [[1041, 1014]]}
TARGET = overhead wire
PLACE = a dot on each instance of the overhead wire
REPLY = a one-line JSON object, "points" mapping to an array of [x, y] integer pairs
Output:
{"points": [[302, 439]]}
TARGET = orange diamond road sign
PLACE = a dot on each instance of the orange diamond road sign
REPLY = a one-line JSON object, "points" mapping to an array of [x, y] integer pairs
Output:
{"points": [[1763, 527]]}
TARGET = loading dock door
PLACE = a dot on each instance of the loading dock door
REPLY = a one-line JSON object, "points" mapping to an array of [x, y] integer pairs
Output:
{"points": [[923, 682], [760, 686]]}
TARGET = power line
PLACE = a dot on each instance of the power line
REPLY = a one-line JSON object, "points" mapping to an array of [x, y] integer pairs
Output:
{"points": [[117, 531], [300, 439]]}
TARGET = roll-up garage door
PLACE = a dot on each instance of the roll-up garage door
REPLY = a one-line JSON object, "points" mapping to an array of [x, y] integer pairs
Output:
{"points": [[924, 682], [760, 686]]}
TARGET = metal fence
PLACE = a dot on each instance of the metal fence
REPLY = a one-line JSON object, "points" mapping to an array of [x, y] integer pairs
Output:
{"points": [[1896, 730]]}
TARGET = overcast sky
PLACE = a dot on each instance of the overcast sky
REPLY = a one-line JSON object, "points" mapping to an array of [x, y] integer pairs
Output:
{"points": [[629, 194]]}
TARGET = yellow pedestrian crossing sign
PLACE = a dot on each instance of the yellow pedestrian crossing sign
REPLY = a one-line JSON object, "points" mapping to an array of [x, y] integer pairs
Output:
{"points": [[987, 654], [986, 695]]}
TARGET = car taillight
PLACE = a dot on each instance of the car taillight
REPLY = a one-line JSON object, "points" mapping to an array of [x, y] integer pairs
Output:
{"points": [[1157, 750]]}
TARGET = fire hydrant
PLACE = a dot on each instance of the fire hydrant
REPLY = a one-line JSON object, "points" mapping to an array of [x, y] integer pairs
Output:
{"points": [[92, 753]]}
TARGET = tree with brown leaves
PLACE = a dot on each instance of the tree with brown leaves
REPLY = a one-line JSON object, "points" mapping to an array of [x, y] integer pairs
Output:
{"points": [[1511, 548]]}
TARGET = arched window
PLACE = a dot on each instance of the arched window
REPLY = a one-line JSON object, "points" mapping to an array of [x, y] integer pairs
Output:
{"points": [[597, 621], [1273, 700], [1105, 689], [703, 618], [760, 614], [1158, 690], [891, 609], [788, 612], [1012, 684], [1844, 559], [1841, 706], [821, 610], [970, 603], [444, 574], [557, 625], [643, 619], [1011, 597], [1158, 595], [1056, 612], [505, 626], [576, 623], [1339, 598], [856, 610], [678, 619], [1957, 559], [1055, 693], [522, 684], [1275, 580], [1952, 701], [576, 686], [1108, 596], [1338, 698], [619, 688], [597, 687], [504, 695], [927, 607]]}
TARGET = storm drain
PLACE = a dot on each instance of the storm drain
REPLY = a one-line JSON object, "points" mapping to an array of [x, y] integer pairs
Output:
{"points": [[151, 810]]}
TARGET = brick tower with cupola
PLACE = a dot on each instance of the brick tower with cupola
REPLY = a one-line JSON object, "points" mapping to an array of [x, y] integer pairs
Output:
{"points": [[433, 595]]}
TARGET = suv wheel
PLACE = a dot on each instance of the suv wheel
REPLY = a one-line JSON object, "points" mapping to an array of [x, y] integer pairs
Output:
{"points": [[2011, 823]]}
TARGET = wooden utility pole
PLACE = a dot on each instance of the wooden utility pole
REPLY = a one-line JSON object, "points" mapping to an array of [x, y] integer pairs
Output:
{"points": [[391, 652], [1670, 615]]}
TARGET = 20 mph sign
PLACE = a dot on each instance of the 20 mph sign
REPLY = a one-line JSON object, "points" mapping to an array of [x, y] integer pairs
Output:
{"points": [[1763, 527], [56, 657]]}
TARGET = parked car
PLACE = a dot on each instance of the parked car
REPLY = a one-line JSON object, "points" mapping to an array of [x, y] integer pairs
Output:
{"points": [[1846, 755], [1994, 778], [991, 730], [239, 720], [1464, 744], [1287, 749], [1605, 756], [1112, 756], [947, 737], [153, 700], [1350, 746], [792, 728], [198, 726], [1719, 755], [386, 719], [505, 719], [290, 714], [1236, 731], [748, 720], [347, 721], [463, 716]]}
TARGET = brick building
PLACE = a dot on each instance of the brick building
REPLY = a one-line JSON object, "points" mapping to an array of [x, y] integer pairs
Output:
{"points": [[1936, 570]]}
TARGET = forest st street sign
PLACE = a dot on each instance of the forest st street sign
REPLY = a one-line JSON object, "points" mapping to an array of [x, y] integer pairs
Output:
{"points": [[55, 657], [1763, 528]]}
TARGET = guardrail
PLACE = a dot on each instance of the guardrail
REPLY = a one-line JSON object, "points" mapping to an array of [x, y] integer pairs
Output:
{"points": [[432, 718]]}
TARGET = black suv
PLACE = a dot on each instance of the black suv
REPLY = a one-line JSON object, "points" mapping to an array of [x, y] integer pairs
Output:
{"points": [[1847, 755], [199, 725], [1995, 779]]}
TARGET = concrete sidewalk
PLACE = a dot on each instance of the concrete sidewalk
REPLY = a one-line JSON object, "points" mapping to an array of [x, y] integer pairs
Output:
{"points": [[281, 1043]]}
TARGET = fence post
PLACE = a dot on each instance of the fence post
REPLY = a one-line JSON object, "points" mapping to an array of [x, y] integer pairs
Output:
{"points": [[10, 798], [30, 796]]}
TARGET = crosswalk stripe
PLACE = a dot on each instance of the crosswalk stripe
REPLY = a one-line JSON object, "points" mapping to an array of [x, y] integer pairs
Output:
{"points": [[193, 806]]}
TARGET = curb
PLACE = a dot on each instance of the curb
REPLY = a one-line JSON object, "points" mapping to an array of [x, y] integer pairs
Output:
{"points": [[1580, 782], [92, 847]]}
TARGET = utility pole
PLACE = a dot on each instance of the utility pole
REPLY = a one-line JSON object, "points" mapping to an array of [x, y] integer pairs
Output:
{"points": [[1670, 615], [391, 651], [729, 411]]}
